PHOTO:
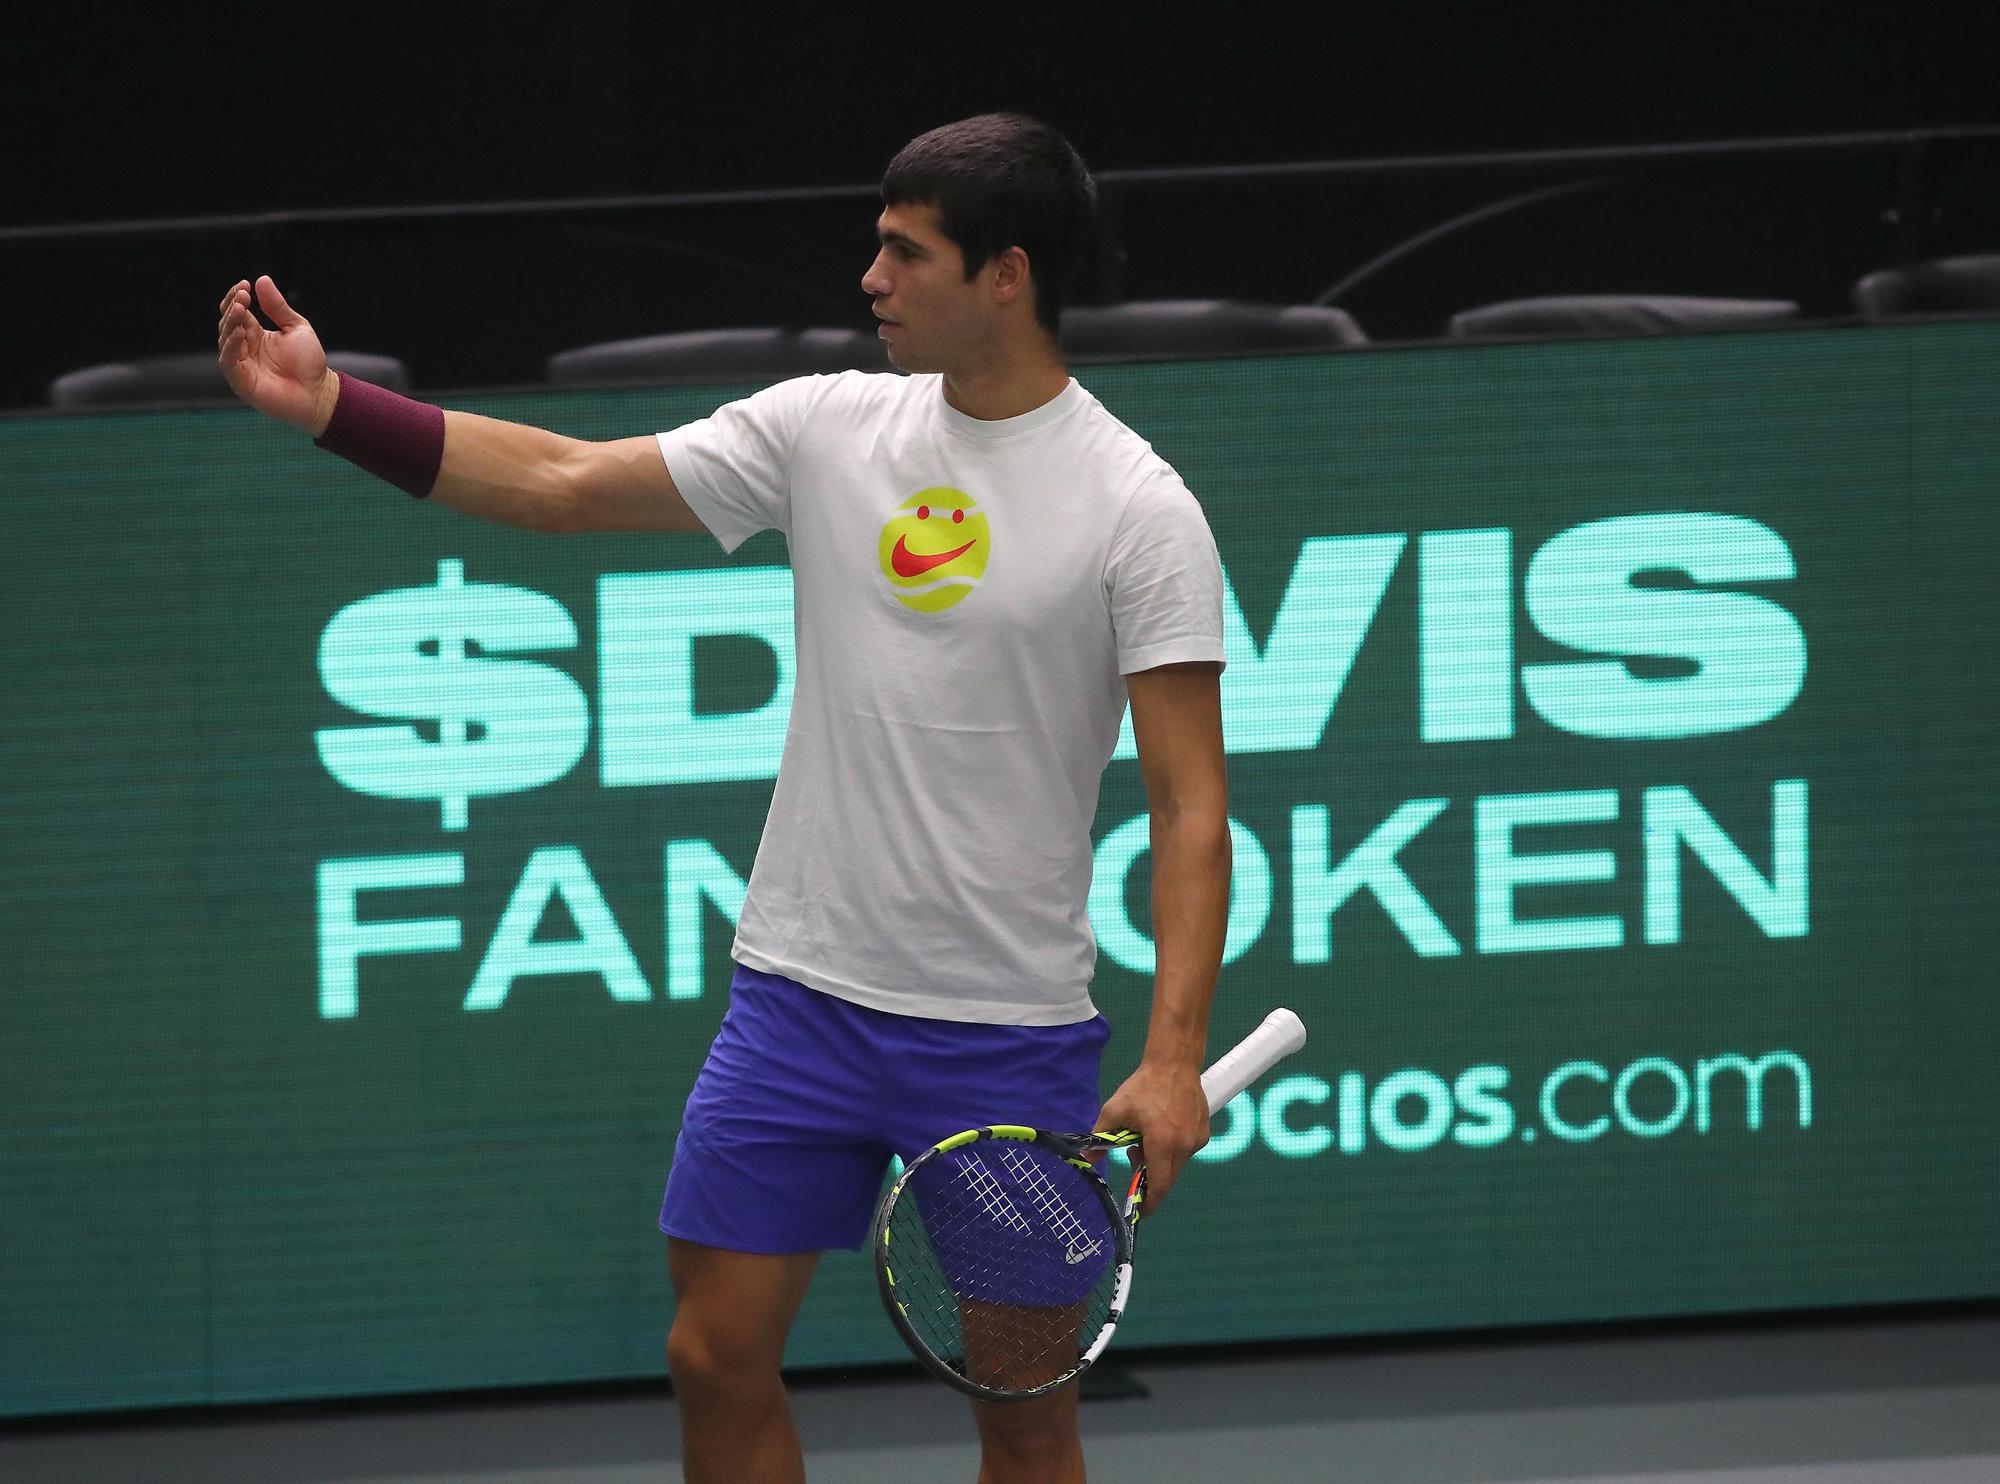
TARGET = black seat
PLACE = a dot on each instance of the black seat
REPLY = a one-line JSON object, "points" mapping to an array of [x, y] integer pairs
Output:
{"points": [[1193, 327], [1967, 285], [194, 377], [1567, 316], [720, 355]]}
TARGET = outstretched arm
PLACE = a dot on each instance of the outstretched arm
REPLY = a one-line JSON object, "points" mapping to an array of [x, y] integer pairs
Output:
{"points": [[500, 471], [1177, 721]]}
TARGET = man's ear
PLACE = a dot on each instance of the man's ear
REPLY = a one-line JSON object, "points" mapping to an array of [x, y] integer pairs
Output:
{"points": [[1011, 277]]}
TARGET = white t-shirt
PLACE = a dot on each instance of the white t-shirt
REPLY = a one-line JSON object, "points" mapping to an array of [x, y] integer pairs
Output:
{"points": [[969, 596]]}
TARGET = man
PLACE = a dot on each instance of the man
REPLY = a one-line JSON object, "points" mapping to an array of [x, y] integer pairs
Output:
{"points": [[987, 564]]}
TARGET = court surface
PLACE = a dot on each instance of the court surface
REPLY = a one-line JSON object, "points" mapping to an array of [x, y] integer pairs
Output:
{"points": [[1909, 1399]]}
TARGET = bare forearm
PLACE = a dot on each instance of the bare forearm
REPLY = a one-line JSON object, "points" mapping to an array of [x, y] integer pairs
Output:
{"points": [[1177, 720], [499, 471], [1191, 860], [506, 472]]}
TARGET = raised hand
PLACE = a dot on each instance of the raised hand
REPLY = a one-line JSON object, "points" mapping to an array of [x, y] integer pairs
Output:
{"points": [[282, 372]]}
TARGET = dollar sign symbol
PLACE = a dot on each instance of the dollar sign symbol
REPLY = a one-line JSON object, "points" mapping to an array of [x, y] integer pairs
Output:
{"points": [[502, 725]]}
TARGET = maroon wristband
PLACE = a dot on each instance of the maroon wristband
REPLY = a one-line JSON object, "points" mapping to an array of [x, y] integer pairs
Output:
{"points": [[387, 434]]}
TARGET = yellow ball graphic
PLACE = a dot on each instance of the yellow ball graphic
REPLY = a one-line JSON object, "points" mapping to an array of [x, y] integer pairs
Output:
{"points": [[933, 549]]}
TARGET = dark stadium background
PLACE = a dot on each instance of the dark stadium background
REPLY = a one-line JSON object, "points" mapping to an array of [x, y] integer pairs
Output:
{"points": [[195, 111]]}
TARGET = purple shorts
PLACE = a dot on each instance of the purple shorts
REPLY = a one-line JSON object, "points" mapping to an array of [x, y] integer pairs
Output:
{"points": [[803, 1098]]}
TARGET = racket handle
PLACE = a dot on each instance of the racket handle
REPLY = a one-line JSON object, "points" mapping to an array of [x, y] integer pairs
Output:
{"points": [[1278, 1037]]}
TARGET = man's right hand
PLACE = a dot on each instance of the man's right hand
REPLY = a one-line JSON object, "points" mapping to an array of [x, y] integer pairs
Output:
{"points": [[282, 373], [499, 471]]}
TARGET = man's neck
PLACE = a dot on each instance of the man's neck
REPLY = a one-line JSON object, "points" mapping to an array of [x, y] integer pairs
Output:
{"points": [[1007, 389]]}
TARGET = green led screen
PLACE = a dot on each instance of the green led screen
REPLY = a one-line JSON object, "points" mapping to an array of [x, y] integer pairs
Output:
{"points": [[1612, 735]]}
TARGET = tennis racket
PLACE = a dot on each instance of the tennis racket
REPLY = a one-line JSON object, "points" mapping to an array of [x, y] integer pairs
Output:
{"points": [[1003, 1258]]}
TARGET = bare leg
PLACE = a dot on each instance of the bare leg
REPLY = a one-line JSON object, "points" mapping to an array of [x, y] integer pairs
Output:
{"points": [[732, 1313], [1031, 1442]]}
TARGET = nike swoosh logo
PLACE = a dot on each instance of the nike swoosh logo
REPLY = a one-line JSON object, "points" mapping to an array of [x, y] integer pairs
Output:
{"points": [[1073, 1256], [908, 564]]}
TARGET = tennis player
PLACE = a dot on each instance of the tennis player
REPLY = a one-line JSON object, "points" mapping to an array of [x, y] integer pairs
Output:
{"points": [[987, 565]]}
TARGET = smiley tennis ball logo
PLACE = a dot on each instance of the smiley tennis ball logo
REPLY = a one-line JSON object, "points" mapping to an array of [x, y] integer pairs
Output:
{"points": [[933, 549]]}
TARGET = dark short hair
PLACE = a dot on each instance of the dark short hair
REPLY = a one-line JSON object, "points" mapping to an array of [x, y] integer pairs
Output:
{"points": [[1004, 180]]}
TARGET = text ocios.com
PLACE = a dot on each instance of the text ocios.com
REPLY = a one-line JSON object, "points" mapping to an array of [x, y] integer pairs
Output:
{"points": [[1486, 1106]]}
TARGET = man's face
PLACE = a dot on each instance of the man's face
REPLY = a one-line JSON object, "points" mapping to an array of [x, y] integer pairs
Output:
{"points": [[932, 318]]}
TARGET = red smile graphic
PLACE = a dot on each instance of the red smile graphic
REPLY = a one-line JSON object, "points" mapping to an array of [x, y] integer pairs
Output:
{"points": [[909, 564]]}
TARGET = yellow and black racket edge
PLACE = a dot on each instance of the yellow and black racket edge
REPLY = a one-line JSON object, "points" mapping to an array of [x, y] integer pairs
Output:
{"points": [[1074, 1150], [1280, 1034]]}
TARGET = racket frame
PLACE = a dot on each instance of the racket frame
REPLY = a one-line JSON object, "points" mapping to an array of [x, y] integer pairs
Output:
{"points": [[1073, 1150], [1279, 1035]]}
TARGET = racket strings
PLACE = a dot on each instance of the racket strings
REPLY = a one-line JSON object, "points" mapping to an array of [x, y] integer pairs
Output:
{"points": [[1003, 1258], [1058, 1214]]}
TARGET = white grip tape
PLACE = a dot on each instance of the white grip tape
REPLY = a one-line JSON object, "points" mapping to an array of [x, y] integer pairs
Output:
{"points": [[1278, 1037]]}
